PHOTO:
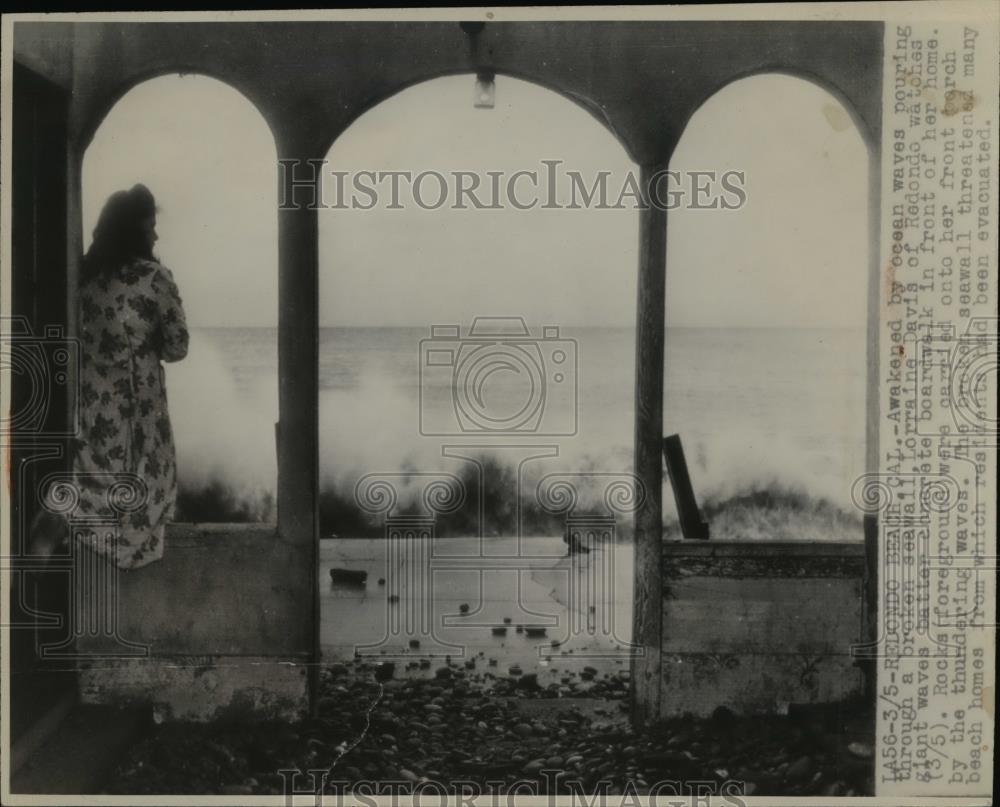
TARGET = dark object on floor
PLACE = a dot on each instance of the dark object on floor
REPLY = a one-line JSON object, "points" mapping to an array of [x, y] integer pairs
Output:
{"points": [[500, 630], [534, 633], [464, 608], [385, 671], [348, 577]]}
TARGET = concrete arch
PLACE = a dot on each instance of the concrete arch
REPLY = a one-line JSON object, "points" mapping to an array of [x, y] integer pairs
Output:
{"points": [[102, 107], [868, 132], [588, 105]]}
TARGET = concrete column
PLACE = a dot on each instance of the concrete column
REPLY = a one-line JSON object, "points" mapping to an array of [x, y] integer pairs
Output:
{"points": [[650, 326], [298, 377]]}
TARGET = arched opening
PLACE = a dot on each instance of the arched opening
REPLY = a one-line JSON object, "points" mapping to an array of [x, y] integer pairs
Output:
{"points": [[209, 159], [485, 345], [767, 306]]}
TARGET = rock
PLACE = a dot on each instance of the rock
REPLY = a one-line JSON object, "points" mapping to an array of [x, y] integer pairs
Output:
{"points": [[529, 681], [348, 577], [499, 630], [534, 767], [385, 671], [414, 644], [443, 672], [506, 620], [534, 633], [723, 716], [408, 775], [523, 729], [464, 608], [554, 762], [861, 750], [515, 669], [381, 581], [470, 664], [425, 664], [800, 770]]}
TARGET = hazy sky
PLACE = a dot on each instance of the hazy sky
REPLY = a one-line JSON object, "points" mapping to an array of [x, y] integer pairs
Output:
{"points": [[796, 254]]}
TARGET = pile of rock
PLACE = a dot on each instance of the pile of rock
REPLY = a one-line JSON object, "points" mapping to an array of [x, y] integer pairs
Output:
{"points": [[372, 727]]}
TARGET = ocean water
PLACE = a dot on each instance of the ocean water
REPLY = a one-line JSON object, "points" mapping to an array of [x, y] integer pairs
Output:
{"points": [[776, 410], [553, 618]]}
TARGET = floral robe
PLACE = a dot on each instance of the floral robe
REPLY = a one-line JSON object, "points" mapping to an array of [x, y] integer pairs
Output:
{"points": [[130, 320]]}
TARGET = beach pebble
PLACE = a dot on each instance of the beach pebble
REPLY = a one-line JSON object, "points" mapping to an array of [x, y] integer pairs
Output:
{"points": [[534, 767], [800, 770], [861, 750], [464, 608]]}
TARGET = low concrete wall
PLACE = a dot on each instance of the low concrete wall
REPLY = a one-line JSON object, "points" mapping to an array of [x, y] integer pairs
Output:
{"points": [[221, 627], [754, 626]]}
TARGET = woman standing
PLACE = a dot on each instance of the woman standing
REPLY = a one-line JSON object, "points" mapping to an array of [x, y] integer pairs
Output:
{"points": [[131, 319]]}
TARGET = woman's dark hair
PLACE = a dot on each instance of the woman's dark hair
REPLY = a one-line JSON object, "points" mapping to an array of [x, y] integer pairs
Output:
{"points": [[118, 236]]}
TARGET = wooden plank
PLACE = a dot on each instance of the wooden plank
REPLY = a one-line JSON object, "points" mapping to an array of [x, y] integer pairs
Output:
{"points": [[693, 526], [647, 614]]}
